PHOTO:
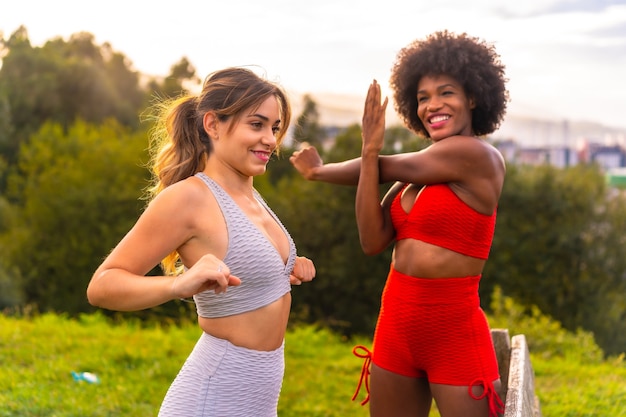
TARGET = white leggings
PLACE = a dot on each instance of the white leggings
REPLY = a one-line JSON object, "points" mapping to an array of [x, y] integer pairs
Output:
{"points": [[220, 379]]}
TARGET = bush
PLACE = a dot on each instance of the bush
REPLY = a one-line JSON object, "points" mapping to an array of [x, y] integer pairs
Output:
{"points": [[545, 336]]}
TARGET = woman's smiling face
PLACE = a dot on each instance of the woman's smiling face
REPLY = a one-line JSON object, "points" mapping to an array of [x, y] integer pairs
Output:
{"points": [[248, 146], [443, 107]]}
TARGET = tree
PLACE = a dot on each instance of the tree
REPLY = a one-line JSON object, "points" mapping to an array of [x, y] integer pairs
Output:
{"points": [[558, 246], [182, 73], [76, 194], [61, 82], [306, 131], [307, 128], [605, 271]]}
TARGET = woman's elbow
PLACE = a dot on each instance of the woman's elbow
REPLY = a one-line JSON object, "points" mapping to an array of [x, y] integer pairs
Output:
{"points": [[93, 296], [370, 249], [370, 252], [95, 291]]}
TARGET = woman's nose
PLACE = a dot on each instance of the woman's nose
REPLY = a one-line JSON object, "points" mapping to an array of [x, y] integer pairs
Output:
{"points": [[434, 104], [269, 138]]}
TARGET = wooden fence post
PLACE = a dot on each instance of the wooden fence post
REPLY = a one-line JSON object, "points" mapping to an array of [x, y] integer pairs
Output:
{"points": [[517, 375], [502, 345]]}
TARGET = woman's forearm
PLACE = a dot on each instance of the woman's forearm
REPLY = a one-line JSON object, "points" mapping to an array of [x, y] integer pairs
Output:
{"points": [[341, 173], [374, 233], [119, 290], [346, 172]]}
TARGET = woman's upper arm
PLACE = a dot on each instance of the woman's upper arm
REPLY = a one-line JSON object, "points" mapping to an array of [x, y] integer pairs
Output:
{"points": [[450, 160], [164, 226], [387, 234]]}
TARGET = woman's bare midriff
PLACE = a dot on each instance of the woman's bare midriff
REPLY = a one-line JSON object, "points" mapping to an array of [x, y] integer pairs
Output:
{"points": [[261, 329], [420, 259]]}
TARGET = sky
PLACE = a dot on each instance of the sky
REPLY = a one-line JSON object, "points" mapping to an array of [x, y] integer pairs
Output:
{"points": [[565, 59]]}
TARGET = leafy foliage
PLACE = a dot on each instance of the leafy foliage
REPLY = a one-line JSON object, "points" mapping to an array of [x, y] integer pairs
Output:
{"points": [[75, 195], [558, 245], [173, 85], [62, 82], [307, 128]]}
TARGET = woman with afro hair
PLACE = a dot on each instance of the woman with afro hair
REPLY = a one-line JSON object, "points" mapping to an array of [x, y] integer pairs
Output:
{"points": [[432, 340]]}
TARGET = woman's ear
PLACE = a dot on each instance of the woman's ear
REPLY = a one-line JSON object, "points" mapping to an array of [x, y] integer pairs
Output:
{"points": [[210, 123], [472, 103]]}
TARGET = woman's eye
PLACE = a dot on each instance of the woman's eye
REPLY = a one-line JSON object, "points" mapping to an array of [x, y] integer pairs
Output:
{"points": [[257, 125], [276, 129]]}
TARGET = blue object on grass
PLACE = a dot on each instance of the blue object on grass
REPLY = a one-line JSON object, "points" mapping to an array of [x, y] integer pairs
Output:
{"points": [[86, 376]]}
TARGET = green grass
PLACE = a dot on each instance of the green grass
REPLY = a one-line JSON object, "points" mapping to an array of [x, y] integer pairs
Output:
{"points": [[569, 389], [136, 365]]}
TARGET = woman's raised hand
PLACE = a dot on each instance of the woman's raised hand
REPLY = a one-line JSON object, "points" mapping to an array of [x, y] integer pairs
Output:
{"points": [[374, 119]]}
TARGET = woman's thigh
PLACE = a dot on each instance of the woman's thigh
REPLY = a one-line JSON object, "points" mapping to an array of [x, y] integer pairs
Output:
{"points": [[455, 401], [396, 395]]}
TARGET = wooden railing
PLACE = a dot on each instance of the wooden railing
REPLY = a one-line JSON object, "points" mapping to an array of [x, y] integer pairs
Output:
{"points": [[516, 374]]}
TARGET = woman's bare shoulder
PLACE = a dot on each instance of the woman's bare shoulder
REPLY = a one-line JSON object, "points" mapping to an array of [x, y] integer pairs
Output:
{"points": [[470, 147], [183, 196]]}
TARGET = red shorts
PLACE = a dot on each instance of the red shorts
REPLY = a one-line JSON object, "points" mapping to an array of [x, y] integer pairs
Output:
{"points": [[434, 328]]}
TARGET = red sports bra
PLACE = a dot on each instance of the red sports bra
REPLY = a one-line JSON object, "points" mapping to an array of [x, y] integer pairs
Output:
{"points": [[441, 218]]}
